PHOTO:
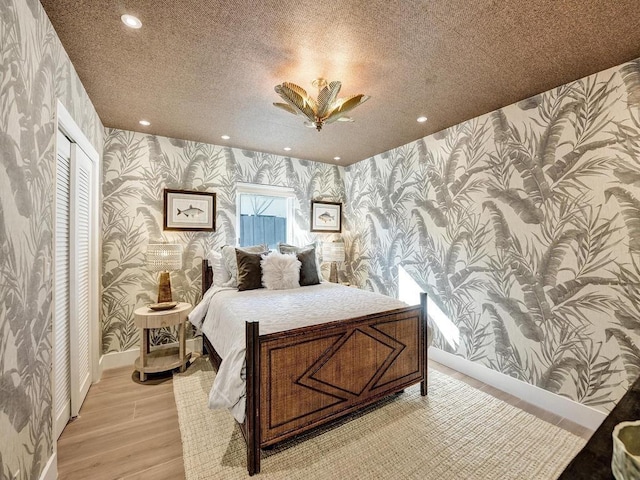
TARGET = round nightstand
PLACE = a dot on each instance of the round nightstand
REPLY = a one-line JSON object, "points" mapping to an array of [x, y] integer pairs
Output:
{"points": [[162, 359]]}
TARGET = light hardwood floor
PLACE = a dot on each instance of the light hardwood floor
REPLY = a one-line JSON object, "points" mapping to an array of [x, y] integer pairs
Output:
{"points": [[125, 430], [129, 430]]}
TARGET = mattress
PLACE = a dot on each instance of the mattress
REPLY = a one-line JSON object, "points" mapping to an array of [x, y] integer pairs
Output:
{"points": [[222, 314]]}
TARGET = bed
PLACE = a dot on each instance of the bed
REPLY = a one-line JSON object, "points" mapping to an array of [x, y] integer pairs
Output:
{"points": [[303, 377]]}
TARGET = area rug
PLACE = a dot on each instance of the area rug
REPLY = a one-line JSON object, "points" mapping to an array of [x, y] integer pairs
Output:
{"points": [[456, 432]]}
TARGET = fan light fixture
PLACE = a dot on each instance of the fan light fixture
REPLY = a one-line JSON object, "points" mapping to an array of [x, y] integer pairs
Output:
{"points": [[328, 108]]}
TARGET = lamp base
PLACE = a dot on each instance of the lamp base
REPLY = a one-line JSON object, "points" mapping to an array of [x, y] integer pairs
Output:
{"points": [[164, 288], [333, 273]]}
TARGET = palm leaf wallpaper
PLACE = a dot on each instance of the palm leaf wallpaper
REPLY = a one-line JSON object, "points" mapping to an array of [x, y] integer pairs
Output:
{"points": [[35, 72], [524, 226], [136, 169]]}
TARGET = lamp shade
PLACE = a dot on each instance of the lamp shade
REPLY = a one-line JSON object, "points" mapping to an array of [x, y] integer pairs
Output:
{"points": [[163, 257], [333, 252]]}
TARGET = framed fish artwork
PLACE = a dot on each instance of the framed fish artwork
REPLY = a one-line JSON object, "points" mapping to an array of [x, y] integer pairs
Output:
{"points": [[326, 217], [187, 210]]}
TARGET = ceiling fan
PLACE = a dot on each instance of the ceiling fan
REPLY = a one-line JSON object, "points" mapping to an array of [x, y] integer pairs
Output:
{"points": [[327, 108]]}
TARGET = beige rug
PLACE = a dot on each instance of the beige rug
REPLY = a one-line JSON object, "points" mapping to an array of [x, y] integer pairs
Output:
{"points": [[456, 432]]}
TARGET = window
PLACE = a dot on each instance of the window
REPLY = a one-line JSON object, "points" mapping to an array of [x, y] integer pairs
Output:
{"points": [[265, 214]]}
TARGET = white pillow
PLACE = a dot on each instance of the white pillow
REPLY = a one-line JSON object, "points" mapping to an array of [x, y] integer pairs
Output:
{"points": [[230, 262], [280, 271], [220, 273]]}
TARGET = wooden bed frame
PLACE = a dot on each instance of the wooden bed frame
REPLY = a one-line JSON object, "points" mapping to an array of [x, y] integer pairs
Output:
{"points": [[302, 378]]}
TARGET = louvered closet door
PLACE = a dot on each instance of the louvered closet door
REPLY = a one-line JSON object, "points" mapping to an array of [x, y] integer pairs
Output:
{"points": [[81, 276], [61, 363]]}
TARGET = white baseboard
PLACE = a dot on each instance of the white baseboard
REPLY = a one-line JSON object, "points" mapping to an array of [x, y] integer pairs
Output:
{"points": [[562, 406], [50, 471], [128, 357]]}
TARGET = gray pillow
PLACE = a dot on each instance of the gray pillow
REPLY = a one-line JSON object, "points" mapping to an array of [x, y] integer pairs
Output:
{"points": [[229, 258], [309, 274], [249, 269]]}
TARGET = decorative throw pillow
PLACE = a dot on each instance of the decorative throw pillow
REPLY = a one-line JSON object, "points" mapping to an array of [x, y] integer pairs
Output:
{"points": [[230, 261], [280, 271], [249, 270], [218, 267], [309, 272]]}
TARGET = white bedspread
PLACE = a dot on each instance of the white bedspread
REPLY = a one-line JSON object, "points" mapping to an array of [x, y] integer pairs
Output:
{"points": [[225, 311]]}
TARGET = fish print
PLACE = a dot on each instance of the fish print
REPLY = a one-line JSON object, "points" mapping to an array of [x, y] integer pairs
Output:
{"points": [[191, 211], [326, 218]]}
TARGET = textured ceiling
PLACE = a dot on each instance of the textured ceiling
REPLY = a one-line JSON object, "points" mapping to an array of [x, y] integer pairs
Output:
{"points": [[200, 69]]}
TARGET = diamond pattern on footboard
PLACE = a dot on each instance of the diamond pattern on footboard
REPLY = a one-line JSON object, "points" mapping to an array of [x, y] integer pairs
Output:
{"points": [[328, 370]]}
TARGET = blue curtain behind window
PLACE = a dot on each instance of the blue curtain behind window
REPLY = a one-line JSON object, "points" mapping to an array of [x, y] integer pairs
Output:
{"points": [[257, 229]]}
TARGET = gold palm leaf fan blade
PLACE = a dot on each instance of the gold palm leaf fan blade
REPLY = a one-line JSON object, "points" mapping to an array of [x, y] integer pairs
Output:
{"points": [[327, 97], [292, 86], [345, 106], [301, 93], [287, 108], [295, 101], [294, 98]]}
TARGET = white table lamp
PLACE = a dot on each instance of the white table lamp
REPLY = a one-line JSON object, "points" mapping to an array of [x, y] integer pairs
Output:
{"points": [[333, 252], [163, 257]]}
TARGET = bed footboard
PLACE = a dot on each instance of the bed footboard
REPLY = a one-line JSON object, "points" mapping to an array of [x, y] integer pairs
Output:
{"points": [[252, 415], [303, 378]]}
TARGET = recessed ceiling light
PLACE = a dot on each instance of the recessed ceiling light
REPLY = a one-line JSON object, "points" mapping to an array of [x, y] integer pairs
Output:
{"points": [[144, 123], [422, 119], [225, 137], [287, 149], [131, 21], [336, 158]]}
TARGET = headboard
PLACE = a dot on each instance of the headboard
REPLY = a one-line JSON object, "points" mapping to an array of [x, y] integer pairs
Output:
{"points": [[207, 276]]}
